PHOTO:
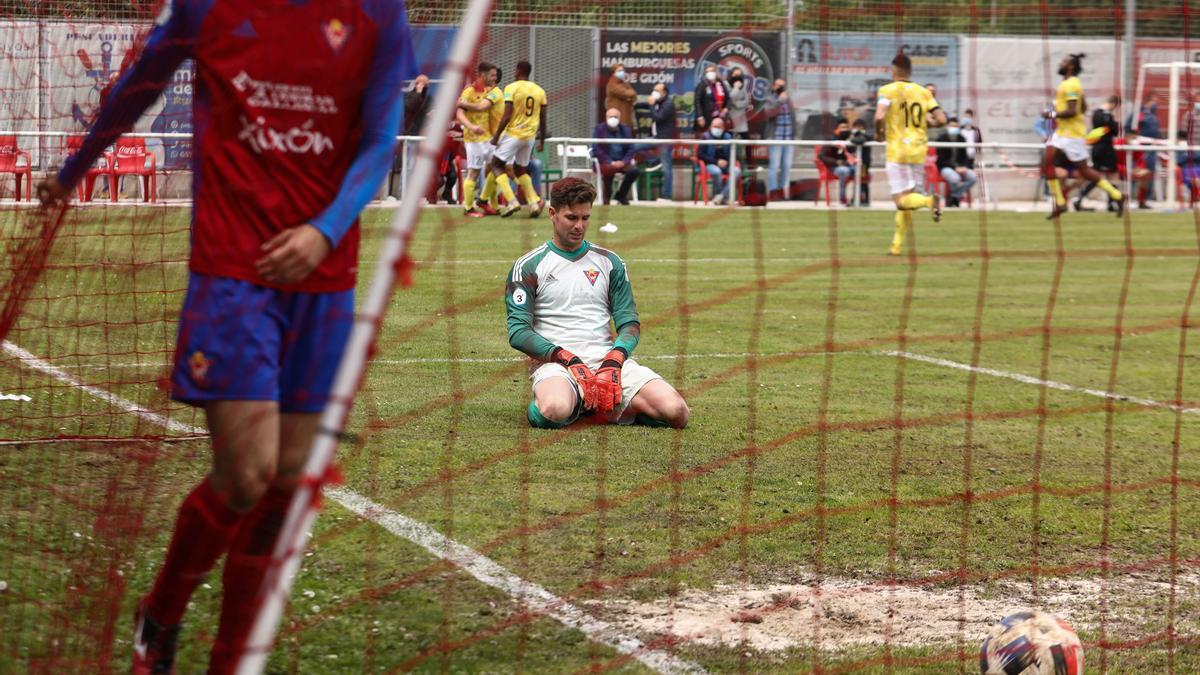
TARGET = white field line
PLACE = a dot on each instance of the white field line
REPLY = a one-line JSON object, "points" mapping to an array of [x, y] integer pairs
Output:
{"points": [[61, 375], [14, 397], [495, 575], [1026, 379], [474, 563]]}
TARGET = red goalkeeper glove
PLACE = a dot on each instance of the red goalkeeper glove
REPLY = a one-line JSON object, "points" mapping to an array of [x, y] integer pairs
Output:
{"points": [[582, 374], [608, 381]]}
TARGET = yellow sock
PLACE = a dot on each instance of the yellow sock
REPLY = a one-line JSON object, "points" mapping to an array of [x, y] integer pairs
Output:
{"points": [[1108, 187], [506, 188], [469, 193], [489, 189], [915, 201], [903, 218], [526, 183], [1056, 190]]}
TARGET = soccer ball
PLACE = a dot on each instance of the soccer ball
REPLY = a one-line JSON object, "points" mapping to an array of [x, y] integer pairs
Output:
{"points": [[1031, 643]]}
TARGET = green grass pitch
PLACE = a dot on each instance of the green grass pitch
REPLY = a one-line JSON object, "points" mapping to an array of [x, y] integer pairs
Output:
{"points": [[814, 449]]}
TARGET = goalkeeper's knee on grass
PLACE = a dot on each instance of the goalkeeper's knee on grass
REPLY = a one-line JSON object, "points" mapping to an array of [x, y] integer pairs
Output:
{"points": [[539, 421]]}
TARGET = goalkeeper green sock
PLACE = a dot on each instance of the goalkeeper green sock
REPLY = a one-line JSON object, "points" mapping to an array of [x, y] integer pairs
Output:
{"points": [[538, 421], [506, 189]]}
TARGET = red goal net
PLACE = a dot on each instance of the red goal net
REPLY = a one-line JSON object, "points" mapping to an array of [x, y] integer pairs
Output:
{"points": [[886, 455]]}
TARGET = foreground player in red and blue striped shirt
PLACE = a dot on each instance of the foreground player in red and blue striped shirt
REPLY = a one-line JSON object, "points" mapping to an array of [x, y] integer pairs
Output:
{"points": [[297, 105]]}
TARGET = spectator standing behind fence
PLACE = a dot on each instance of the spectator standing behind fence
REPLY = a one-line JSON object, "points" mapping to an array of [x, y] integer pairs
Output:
{"points": [[662, 110], [619, 94], [416, 106], [781, 127], [1189, 160], [970, 132], [858, 139], [955, 167], [616, 158], [716, 158], [836, 157], [739, 104], [711, 99], [1148, 127]]}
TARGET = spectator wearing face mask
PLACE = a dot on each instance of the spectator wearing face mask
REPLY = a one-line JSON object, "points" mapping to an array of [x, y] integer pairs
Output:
{"points": [[711, 99], [837, 157], [780, 126], [739, 104], [616, 158], [619, 94], [970, 132], [662, 111], [953, 164], [716, 158]]}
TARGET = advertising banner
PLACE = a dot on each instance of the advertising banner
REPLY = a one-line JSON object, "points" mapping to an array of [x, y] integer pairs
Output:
{"points": [[678, 59], [1010, 81], [839, 74]]}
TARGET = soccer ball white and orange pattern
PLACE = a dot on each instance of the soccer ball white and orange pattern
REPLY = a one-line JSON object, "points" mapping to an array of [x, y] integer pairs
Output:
{"points": [[1031, 643]]}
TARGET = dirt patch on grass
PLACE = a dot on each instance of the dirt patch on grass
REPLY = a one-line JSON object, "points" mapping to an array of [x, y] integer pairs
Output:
{"points": [[847, 613]]}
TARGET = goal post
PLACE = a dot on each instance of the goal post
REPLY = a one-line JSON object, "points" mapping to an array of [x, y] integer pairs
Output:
{"points": [[1173, 70]]}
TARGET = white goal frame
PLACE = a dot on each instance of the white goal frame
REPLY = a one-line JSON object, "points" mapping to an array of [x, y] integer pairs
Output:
{"points": [[1173, 68]]}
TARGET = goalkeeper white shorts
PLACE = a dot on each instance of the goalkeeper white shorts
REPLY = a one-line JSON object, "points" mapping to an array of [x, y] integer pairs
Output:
{"points": [[634, 376], [1075, 149], [514, 150], [479, 154], [904, 177]]}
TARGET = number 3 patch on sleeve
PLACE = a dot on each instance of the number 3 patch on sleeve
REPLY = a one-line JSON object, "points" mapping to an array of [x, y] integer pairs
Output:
{"points": [[518, 296]]}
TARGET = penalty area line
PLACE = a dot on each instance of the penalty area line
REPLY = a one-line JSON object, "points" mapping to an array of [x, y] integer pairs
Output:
{"points": [[1051, 384], [479, 566]]}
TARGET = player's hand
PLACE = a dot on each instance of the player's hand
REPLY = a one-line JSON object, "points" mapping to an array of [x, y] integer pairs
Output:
{"points": [[476, 129], [608, 381], [50, 192], [541, 146], [582, 374], [618, 164], [495, 141], [292, 255], [722, 163]]}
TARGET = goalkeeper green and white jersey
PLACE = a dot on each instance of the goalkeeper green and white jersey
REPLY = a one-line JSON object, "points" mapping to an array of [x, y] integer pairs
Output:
{"points": [[558, 298]]}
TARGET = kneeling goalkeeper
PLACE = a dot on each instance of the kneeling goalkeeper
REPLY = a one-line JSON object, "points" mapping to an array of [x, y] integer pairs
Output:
{"points": [[562, 297]]}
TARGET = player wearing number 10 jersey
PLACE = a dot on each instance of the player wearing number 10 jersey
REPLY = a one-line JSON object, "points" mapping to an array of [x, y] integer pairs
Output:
{"points": [[904, 106]]}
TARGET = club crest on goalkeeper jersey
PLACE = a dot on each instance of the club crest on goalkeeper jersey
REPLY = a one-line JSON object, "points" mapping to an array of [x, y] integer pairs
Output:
{"points": [[566, 299], [295, 113]]}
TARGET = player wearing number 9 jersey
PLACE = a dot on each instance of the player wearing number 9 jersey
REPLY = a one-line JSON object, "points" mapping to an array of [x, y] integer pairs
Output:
{"points": [[524, 116], [902, 109]]}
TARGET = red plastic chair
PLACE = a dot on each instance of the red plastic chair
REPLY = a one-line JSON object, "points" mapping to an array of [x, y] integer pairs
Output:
{"points": [[86, 189], [702, 179], [933, 178], [824, 177], [9, 155], [130, 158]]}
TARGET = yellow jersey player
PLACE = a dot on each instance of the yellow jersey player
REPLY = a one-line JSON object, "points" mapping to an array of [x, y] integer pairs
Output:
{"points": [[902, 109], [1069, 137], [524, 116], [479, 109]]}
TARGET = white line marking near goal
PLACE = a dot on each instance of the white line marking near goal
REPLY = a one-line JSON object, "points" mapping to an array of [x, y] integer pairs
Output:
{"points": [[14, 397], [61, 375], [1026, 379], [474, 563], [495, 575]]}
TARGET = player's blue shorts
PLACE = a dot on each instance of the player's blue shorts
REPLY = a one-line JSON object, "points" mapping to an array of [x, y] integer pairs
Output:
{"points": [[239, 341]]}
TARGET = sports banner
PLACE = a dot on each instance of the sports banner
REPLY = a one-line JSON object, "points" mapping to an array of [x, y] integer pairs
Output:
{"points": [[678, 59], [839, 74], [1010, 81]]}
